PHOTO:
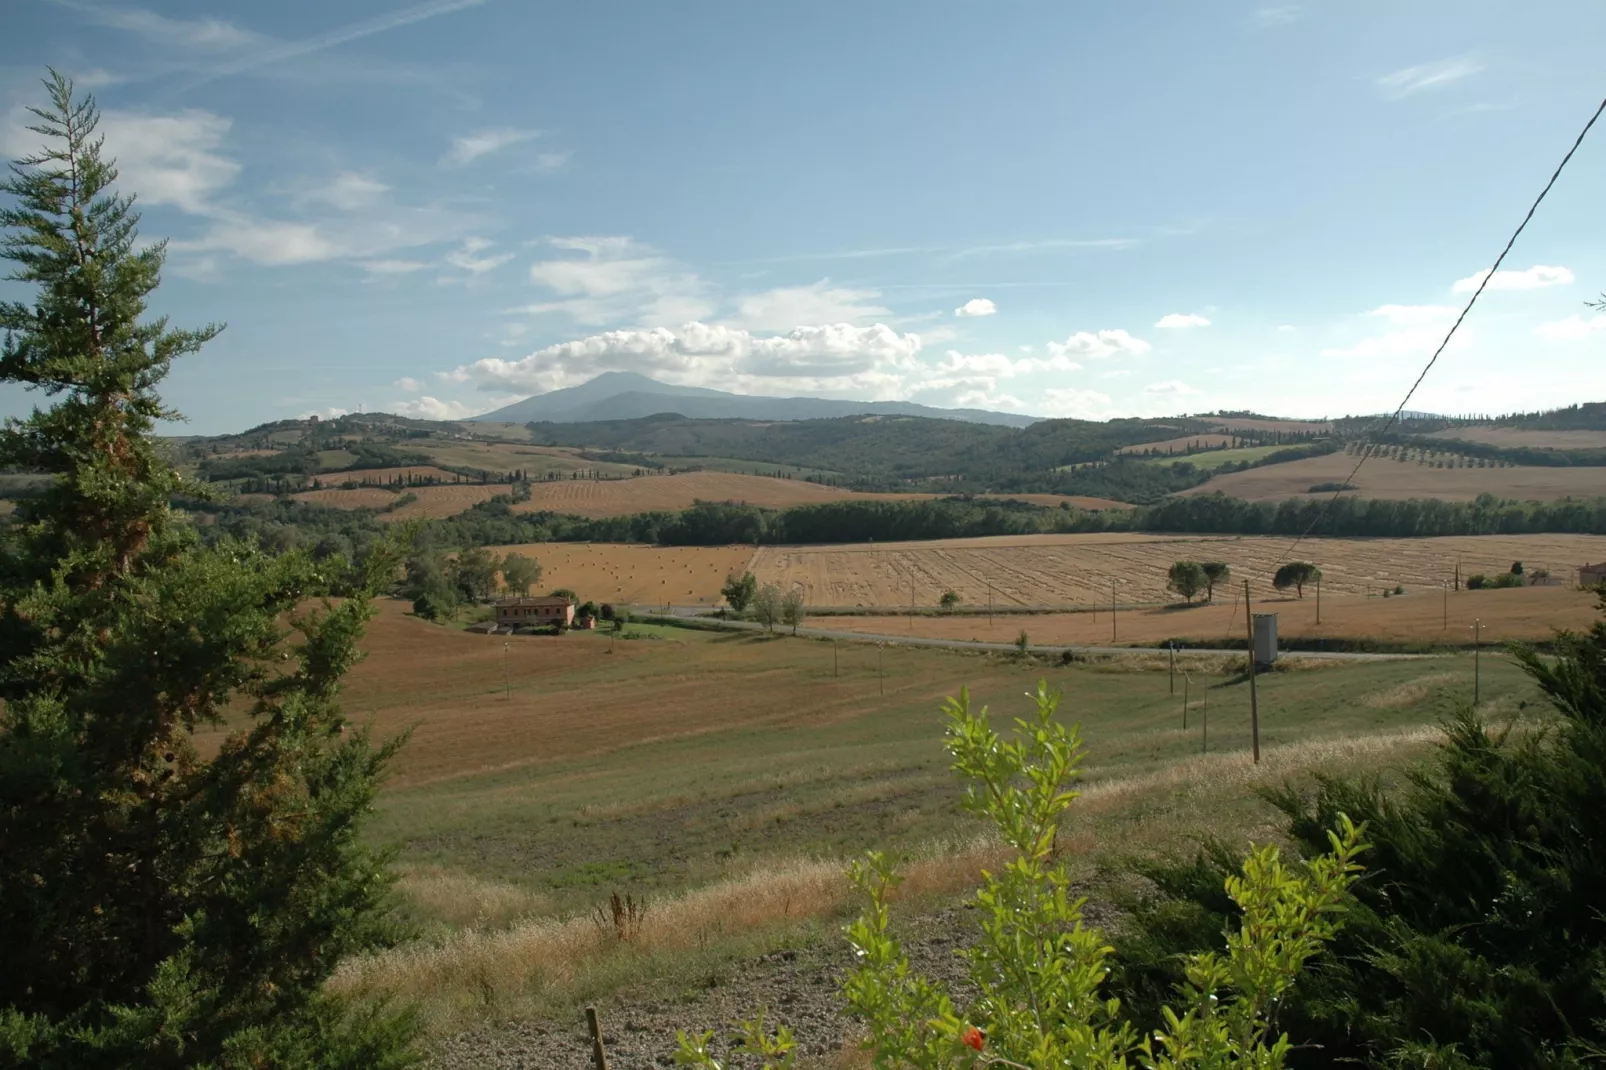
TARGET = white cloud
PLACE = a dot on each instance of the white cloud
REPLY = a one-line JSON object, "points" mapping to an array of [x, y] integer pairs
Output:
{"points": [[1076, 404], [1100, 345], [1413, 315], [976, 306], [350, 191], [429, 408], [170, 159], [547, 162], [465, 259], [409, 384], [470, 147], [1277, 15], [874, 359], [1571, 329], [1409, 342], [1025, 349], [209, 34], [325, 414], [1409, 80], [618, 279], [1169, 388], [1534, 278], [787, 307], [273, 243], [393, 267], [1181, 320]]}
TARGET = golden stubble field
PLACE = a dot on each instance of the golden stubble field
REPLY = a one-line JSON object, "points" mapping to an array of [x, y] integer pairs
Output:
{"points": [[1424, 615], [434, 503], [1383, 477], [1521, 436], [636, 575], [1069, 570]]}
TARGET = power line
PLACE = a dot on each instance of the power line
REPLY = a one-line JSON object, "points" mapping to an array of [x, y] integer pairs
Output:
{"points": [[1395, 415]]}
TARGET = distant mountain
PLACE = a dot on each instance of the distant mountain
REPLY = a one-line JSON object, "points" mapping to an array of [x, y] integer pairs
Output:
{"points": [[628, 396]]}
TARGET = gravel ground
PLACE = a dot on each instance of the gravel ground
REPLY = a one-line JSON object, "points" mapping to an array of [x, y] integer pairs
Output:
{"points": [[799, 989]]}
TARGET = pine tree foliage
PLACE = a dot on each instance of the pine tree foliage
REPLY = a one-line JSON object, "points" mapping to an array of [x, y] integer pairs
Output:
{"points": [[162, 903], [1479, 938]]}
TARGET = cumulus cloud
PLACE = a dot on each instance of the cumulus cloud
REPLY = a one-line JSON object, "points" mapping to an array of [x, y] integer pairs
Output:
{"points": [[976, 306], [470, 147], [1413, 315], [429, 408], [1076, 404], [839, 355], [1409, 80], [409, 384], [350, 191], [1571, 329], [1534, 278], [170, 159], [1181, 321], [1169, 388], [1100, 345], [617, 278]]}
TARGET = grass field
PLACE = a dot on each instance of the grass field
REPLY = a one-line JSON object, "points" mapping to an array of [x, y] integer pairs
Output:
{"points": [[1063, 570], [506, 456], [636, 575], [1521, 436], [434, 502], [1213, 459], [1422, 615], [1386, 478], [727, 777]]}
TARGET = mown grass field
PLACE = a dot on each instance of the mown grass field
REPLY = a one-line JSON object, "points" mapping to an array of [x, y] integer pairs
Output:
{"points": [[1209, 460], [1383, 477], [1179, 444], [728, 778]]}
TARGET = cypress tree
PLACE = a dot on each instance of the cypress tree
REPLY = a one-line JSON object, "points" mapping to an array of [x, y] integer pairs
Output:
{"points": [[159, 907]]}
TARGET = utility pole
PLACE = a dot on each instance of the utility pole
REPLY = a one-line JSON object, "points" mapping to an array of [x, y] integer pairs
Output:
{"points": [[1112, 611], [1477, 651], [1318, 599], [1173, 648], [1446, 589], [1254, 701], [506, 687]]}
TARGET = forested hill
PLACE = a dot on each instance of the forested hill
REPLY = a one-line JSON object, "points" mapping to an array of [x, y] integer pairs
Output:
{"points": [[876, 447]]}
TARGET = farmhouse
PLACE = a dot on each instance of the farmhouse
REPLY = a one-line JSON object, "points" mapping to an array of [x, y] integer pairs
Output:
{"points": [[1592, 575], [553, 609]]}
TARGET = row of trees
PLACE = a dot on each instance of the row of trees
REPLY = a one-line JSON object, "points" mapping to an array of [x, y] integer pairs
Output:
{"points": [[769, 604], [439, 584], [1188, 578]]}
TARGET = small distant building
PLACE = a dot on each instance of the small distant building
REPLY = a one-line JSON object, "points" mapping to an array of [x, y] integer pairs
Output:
{"points": [[1592, 575], [513, 612]]}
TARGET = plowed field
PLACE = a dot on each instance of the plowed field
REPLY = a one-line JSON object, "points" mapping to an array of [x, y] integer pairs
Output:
{"points": [[1059, 570]]}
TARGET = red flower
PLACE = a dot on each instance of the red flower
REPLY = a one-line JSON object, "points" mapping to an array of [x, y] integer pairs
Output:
{"points": [[973, 1038]]}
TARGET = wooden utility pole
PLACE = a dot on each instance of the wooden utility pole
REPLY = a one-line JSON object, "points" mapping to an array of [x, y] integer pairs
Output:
{"points": [[599, 1056], [1112, 611], [1173, 648], [1185, 682], [1254, 701], [506, 687], [1477, 651], [1318, 599]]}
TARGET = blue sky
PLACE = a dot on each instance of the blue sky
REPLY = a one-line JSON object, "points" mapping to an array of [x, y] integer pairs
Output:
{"points": [[1061, 209]]}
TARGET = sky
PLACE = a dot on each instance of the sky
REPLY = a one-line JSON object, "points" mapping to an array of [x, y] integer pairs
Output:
{"points": [[1085, 210]]}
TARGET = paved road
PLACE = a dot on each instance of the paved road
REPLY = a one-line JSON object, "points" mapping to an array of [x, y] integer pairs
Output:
{"points": [[700, 613]]}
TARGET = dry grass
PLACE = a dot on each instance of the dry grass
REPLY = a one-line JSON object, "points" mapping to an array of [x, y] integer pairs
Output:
{"points": [[481, 969], [1180, 445], [432, 502], [461, 901], [1519, 436], [1531, 613], [636, 575], [1386, 478], [621, 497], [1067, 570]]}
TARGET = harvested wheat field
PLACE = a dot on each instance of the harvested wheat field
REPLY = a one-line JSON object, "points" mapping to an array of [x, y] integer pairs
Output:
{"points": [[1383, 477], [1522, 436], [636, 575], [1065, 570], [1180, 445], [432, 502], [1422, 615]]}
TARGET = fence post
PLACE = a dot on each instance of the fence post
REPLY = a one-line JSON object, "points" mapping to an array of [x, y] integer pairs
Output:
{"points": [[599, 1056], [1254, 702]]}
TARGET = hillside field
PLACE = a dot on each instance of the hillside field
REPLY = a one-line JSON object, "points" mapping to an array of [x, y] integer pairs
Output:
{"points": [[1383, 477], [1522, 436], [435, 502], [728, 778], [1063, 570], [1421, 615], [636, 575], [1179, 444]]}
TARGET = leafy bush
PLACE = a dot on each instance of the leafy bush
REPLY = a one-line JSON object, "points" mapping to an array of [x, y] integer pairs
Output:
{"points": [[1038, 971]]}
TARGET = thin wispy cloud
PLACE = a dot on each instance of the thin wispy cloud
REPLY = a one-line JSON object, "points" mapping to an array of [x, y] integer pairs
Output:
{"points": [[278, 52], [470, 147], [206, 33], [1276, 15], [1410, 80], [1043, 245]]}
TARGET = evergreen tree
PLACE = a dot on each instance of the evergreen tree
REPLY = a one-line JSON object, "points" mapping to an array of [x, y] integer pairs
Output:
{"points": [[159, 908]]}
